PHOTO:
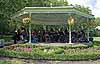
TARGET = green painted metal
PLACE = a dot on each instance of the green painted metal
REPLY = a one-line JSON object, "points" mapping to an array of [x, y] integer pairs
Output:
{"points": [[50, 15], [68, 9]]}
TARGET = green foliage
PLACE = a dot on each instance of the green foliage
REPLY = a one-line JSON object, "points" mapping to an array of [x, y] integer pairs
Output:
{"points": [[96, 44], [52, 53], [59, 3], [97, 21], [96, 39], [6, 38], [83, 9], [97, 33], [10, 62], [4, 62]]}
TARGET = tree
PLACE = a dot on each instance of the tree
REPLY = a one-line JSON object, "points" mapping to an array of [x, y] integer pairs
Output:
{"points": [[97, 21], [83, 9], [59, 2]]}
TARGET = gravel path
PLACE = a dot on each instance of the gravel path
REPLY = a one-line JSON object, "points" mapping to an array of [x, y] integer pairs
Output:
{"points": [[29, 61]]}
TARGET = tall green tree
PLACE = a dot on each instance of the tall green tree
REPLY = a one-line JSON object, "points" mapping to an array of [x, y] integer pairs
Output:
{"points": [[97, 21], [83, 9]]}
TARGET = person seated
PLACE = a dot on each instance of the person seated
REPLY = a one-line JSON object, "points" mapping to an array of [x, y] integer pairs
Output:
{"points": [[74, 36], [34, 37], [83, 39], [46, 35], [52, 36], [39, 36], [56, 36], [66, 36], [61, 38], [91, 39]]}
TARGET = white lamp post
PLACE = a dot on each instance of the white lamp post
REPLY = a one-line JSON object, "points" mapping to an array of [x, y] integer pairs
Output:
{"points": [[70, 22]]}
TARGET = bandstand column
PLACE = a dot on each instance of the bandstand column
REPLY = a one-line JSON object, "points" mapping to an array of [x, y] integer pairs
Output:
{"points": [[70, 22], [28, 20], [88, 29], [30, 28], [70, 34]]}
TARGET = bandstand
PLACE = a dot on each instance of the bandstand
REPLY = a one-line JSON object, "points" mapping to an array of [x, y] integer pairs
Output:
{"points": [[64, 15]]}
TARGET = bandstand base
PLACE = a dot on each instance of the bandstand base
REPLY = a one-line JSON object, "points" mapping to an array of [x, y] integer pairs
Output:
{"points": [[63, 44]]}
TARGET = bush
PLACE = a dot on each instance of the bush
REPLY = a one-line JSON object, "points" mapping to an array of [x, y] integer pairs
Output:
{"points": [[10, 62], [4, 62], [97, 33], [6, 38], [96, 43]]}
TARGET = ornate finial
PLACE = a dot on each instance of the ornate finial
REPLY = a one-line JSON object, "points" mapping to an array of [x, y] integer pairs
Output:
{"points": [[70, 20], [26, 20]]}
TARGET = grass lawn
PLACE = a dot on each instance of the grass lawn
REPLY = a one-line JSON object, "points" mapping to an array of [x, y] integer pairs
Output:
{"points": [[96, 38], [4, 62], [6, 38]]}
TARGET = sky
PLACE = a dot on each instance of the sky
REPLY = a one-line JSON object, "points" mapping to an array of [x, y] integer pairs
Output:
{"points": [[93, 4]]}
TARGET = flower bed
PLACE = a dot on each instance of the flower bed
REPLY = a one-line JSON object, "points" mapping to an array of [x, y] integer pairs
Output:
{"points": [[51, 52]]}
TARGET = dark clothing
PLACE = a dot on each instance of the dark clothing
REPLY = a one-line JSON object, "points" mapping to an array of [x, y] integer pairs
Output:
{"points": [[15, 37]]}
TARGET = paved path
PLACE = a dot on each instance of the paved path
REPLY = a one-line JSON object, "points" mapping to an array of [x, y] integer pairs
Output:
{"points": [[30, 61], [62, 44]]}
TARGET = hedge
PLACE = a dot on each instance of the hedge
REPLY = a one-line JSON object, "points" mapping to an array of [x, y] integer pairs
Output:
{"points": [[4, 62]]}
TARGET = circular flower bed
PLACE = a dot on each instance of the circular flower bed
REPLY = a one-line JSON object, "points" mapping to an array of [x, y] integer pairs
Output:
{"points": [[50, 52]]}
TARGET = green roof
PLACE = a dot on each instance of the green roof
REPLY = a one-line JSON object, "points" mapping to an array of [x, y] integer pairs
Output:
{"points": [[50, 15]]}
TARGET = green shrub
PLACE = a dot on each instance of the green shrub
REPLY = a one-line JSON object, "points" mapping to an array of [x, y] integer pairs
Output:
{"points": [[97, 33], [59, 51], [4, 62], [11, 62], [6, 38]]}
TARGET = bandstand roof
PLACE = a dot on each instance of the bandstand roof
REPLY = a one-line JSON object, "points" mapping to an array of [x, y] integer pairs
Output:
{"points": [[49, 15]]}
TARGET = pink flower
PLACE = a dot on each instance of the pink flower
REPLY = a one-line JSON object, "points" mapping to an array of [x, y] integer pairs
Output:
{"points": [[29, 50]]}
